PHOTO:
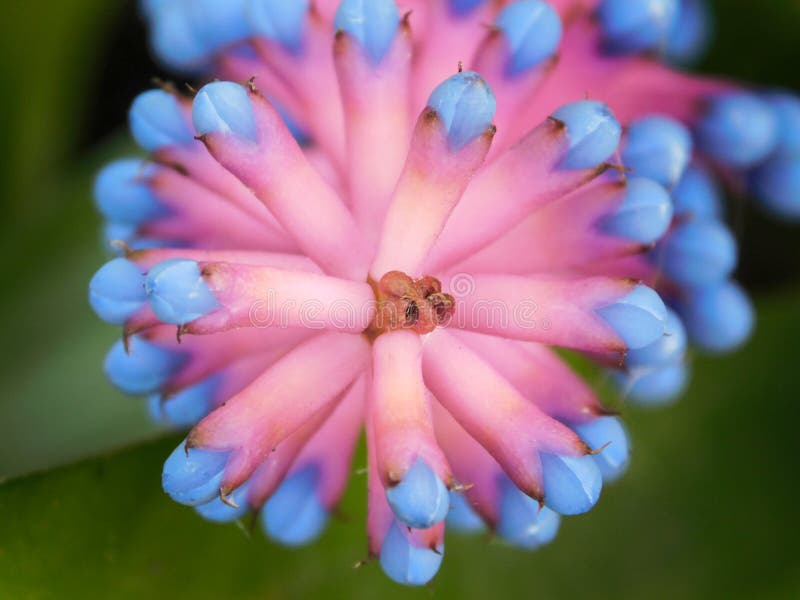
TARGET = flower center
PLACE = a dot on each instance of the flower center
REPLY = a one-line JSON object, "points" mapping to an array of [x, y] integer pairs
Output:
{"points": [[406, 303]]}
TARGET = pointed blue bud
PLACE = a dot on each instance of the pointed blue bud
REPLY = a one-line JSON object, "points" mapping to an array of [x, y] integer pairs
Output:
{"points": [[738, 129], [174, 40], [220, 512], [532, 30], [224, 107], [464, 7], [786, 108], [593, 133], [156, 120], [461, 516], [697, 195], [572, 485], [113, 232], [636, 25], [609, 432], [466, 105], [117, 291], [193, 477], [644, 214], [668, 349], [282, 21], [658, 148], [373, 23], [697, 253], [177, 291], [144, 368], [187, 407], [776, 185], [638, 318], [520, 520], [294, 515], [690, 34], [719, 318], [653, 387], [405, 563], [420, 500], [122, 195]]}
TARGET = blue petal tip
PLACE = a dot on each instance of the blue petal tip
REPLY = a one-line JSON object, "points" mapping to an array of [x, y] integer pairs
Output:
{"points": [[188, 406], [294, 515], [178, 293], [638, 318], [117, 291], [571, 485], [697, 195], [719, 318], [466, 105], [776, 186], [420, 500], [373, 23], [461, 516], [193, 477], [122, 195], [282, 21], [521, 521], [697, 253], [532, 30], [224, 107], [144, 368], [637, 25], [156, 120], [658, 148], [613, 459], [669, 348], [644, 214], [405, 563], [592, 131]]}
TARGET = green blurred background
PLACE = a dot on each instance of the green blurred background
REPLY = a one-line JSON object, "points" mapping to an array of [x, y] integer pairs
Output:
{"points": [[707, 510]]}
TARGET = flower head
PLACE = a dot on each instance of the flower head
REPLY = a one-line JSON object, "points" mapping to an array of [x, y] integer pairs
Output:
{"points": [[351, 230]]}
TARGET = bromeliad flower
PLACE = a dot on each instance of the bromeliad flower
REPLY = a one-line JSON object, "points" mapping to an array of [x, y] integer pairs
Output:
{"points": [[363, 234]]}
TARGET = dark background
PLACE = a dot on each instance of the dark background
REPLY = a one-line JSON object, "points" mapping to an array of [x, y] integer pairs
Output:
{"points": [[707, 510]]}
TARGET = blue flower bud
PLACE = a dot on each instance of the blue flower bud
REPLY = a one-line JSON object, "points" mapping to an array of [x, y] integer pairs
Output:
{"points": [[150, 8], [156, 120], [644, 214], [464, 7], [282, 21], [406, 563], [614, 458], [174, 41], [117, 291], [593, 133], [217, 24], [638, 318], [520, 520], [697, 195], [718, 318], [420, 500], [466, 105], [572, 485], [776, 185], [697, 253], [220, 512], [294, 515], [177, 291], [193, 477], [532, 30], [224, 107], [738, 129], [373, 23], [122, 195], [144, 368], [188, 406], [636, 25], [690, 33], [668, 349], [658, 148], [461, 516], [787, 111], [657, 386]]}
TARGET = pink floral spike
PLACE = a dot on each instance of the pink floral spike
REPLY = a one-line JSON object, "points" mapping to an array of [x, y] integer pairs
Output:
{"points": [[388, 215]]}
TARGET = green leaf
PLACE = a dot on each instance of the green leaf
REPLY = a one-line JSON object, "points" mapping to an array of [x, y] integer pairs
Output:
{"points": [[700, 514]]}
